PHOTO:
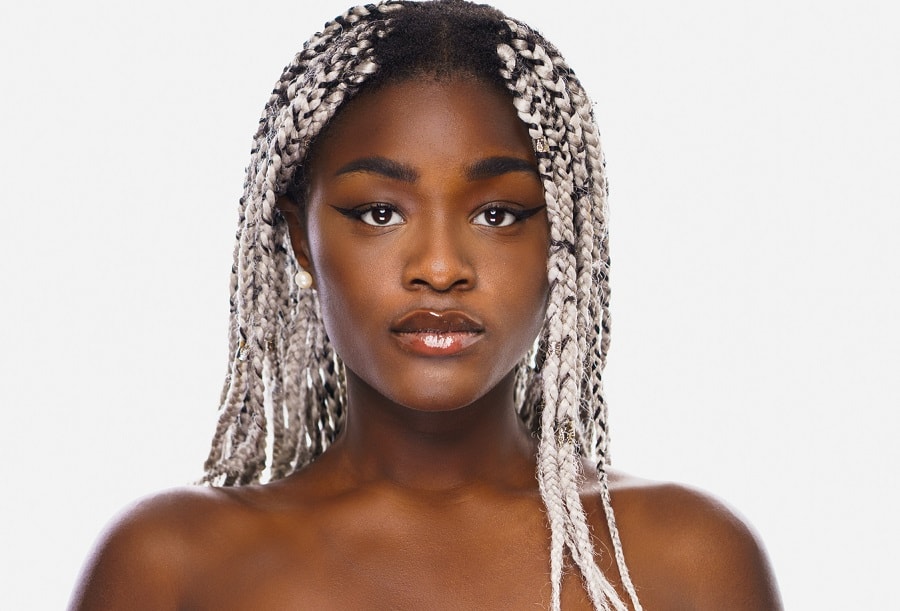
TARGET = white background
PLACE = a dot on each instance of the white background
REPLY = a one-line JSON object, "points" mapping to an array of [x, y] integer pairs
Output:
{"points": [[753, 151]]}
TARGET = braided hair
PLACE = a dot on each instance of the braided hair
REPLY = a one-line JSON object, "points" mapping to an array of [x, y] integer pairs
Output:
{"points": [[281, 360]]}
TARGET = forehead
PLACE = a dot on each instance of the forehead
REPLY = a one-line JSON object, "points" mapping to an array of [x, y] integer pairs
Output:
{"points": [[416, 121]]}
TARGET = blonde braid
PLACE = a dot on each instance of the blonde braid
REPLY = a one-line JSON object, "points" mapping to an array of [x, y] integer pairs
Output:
{"points": [[528, 104], [571, 266], [330, 67]]}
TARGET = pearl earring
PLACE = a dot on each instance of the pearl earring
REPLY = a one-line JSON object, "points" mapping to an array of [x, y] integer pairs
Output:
{"points": [[303, 279]]}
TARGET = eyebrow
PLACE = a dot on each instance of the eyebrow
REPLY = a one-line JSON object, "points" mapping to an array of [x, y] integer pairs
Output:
{"points": [[491, 167], [380, 165], [497, 166]]}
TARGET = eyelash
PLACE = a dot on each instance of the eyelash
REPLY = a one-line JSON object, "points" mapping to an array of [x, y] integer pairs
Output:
{"points": [[517, 214], [359, 213]]}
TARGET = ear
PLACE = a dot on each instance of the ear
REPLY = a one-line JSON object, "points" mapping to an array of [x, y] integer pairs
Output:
{"points": [[296, 223]]}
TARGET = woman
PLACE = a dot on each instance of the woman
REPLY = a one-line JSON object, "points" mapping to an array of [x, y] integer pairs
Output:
{"points": [[425, 200]]}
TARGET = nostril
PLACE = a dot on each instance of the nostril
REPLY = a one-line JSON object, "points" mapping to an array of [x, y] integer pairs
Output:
{"points": [[441, 284], [441, 275]]}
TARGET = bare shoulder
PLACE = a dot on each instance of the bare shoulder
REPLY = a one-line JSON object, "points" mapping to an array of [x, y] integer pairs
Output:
{"points": [[680, 539], [146, 553]]}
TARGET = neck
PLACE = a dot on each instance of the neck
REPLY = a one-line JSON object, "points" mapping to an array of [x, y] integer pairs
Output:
{"points": [[482, 444]]}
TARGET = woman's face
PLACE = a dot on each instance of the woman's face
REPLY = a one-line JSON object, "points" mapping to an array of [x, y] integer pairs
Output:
{"points": [[427, 237]]}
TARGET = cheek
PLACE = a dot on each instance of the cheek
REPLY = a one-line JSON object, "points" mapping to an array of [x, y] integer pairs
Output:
{"points": [[350, 284], [540, 286], [523, 289], [539, 293], [535, 260]]}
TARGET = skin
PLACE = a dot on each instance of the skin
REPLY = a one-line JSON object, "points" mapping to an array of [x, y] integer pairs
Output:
{"points": [[429, 499]]}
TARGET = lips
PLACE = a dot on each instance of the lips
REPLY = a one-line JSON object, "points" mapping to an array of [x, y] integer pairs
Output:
{"points": [[433, 333], [449, 321]]}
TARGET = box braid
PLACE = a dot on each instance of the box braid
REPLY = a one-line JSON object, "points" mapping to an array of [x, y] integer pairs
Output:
{"points": [[281, 358]]}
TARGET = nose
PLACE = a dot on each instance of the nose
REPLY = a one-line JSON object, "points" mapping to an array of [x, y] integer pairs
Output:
{"points": [[439, 259]]}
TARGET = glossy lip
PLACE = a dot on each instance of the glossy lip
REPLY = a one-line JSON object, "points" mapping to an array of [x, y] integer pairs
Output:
{"points": [[437, 333]]}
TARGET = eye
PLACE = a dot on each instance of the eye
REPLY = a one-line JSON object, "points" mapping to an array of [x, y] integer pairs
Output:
{"points": [[376, 215], [503, 216], [380, 215], [496, 217]]}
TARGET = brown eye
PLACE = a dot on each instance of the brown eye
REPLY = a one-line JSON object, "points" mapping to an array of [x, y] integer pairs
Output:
{"points": [[495, 217], [381, 216]]}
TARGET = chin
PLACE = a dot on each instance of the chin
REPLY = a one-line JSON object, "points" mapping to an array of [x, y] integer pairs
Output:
{"points": [[431, 389], [441, 401]]}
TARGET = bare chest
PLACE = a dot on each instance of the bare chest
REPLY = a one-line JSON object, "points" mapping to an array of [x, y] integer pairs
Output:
{"points": [[387, 558]]}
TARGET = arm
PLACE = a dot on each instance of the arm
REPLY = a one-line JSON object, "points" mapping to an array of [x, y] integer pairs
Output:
{"points": [[138, 562], [718, 557], [687, 550]]}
